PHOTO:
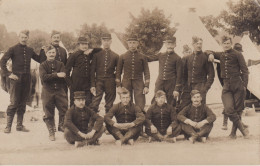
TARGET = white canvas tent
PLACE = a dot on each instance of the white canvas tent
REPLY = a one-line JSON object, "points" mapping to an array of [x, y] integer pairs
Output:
{"points": [[249, 49], [190, 25]]}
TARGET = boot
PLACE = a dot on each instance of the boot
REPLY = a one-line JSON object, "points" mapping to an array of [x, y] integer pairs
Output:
{"points": [[50, 129], [61, 123], [233, 132], [53, 124], [20, 126], [9, 119], [225, 122], [242, 129]]}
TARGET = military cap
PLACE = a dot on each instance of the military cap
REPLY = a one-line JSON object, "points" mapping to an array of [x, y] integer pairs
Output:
{"points": [[132, 38], [48, 48], [160, 93], [225, 38], [194, 92], [83, 40], [54, 32], [186, 48], [79, 95], [26, 32], [106, 36], [124, 91], [170, 39], [196, 39], [238, 47]]}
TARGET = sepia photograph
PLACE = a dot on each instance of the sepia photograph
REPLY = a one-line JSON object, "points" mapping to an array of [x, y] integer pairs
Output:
{"points": [[129, 82]]}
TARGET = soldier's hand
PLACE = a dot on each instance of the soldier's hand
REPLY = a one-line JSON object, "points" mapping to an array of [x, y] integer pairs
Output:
{"points": [[88, 51], [146, 90], [169, 130], [129, 125], [211, 58], [93, 91], [201, 124], [83, 135], [90, 134], [153, 129], [193, 124], [119, 126], [13, 77], [61, 74], [176, 94]]}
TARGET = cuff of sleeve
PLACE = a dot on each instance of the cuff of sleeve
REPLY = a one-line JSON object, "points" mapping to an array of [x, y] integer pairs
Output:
{"points": [[147, 83]]}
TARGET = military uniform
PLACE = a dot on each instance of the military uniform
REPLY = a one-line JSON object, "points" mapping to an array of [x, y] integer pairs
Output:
{"points": [[162, 117], [77, 119], [199, 74], [197, 114], [61, 54], [19, 89], [235, 77], [53, 93], [134, 65], [170, 74], [103, 69], [125, 114], [79, 80]]}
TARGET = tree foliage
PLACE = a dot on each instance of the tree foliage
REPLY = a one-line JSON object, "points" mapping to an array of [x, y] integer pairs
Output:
{"points": [[211, 23], [69, 40], [151, 27], [38, 39]]}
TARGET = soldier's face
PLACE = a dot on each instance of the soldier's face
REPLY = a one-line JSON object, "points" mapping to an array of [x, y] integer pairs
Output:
{"points": [[23, 38], [55, 39], [132, 45], [80, 103], [51, 54], [125, 98], [187, 53], [170, 46], [160, 100], [227, 45], [83, 46], [197, 46], [106, 43], [196, 99]]}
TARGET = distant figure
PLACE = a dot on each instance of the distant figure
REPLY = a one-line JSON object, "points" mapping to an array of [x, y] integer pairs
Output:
{"points": [[161, 120], [79, 129], [197, 119], [20, 79], [129, 120]]}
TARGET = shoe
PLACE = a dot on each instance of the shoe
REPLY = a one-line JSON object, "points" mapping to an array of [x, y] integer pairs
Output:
{"points": [[61, 129], [52, 137], [246, 133], [118, 143], [7, 130], [193, 138], [22, 128], [203, 139], [232, 136], [224, 128], [150, 139], [131, 142], [171, 140], [80, 144]]}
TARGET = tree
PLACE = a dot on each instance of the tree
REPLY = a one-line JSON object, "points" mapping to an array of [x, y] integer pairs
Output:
{"points": [[151, 27], [38, 39], [69, 40], [242, 16], [211, 23], [93, 33]]}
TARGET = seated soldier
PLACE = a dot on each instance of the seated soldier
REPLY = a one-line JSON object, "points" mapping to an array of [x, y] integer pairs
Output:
{"points": [[78, 128], [197, 119], [161, 120], [129, 120]]}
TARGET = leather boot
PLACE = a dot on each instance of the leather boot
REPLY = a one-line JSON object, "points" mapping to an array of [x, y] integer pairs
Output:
{"points": [[53, 124], [20, 126], [50, 129], [242, 129], [61, 123], [233, 132], [8, 127], [225, 122]]}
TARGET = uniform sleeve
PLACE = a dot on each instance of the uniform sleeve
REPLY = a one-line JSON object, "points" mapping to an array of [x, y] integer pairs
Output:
{"points": [[140, 118], [243, 68], [45, 77], [211, 117], [4, 60], [93, 71], [146, 73], [111, 113], [173, 117], [36, 57], [179, 70], [119, 70], [66, 57], [69, 65], [42, 56], [98, 121], [210, 73], [68, 122], [151, 58], [182, 114], [148, 117]]}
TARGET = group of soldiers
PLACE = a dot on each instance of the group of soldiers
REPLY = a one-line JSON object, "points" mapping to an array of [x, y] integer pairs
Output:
{"points": [[178, 107]]}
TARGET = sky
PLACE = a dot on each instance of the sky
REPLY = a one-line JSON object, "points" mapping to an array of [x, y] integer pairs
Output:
{"points": [[69, 15]]}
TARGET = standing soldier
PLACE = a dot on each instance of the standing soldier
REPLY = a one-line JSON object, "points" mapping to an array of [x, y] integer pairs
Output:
{"points": [[170, 71], [134, 65], [52, 74], [198, 72], [103, 69], [20, 79], [80, 62], [235, 77]]}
